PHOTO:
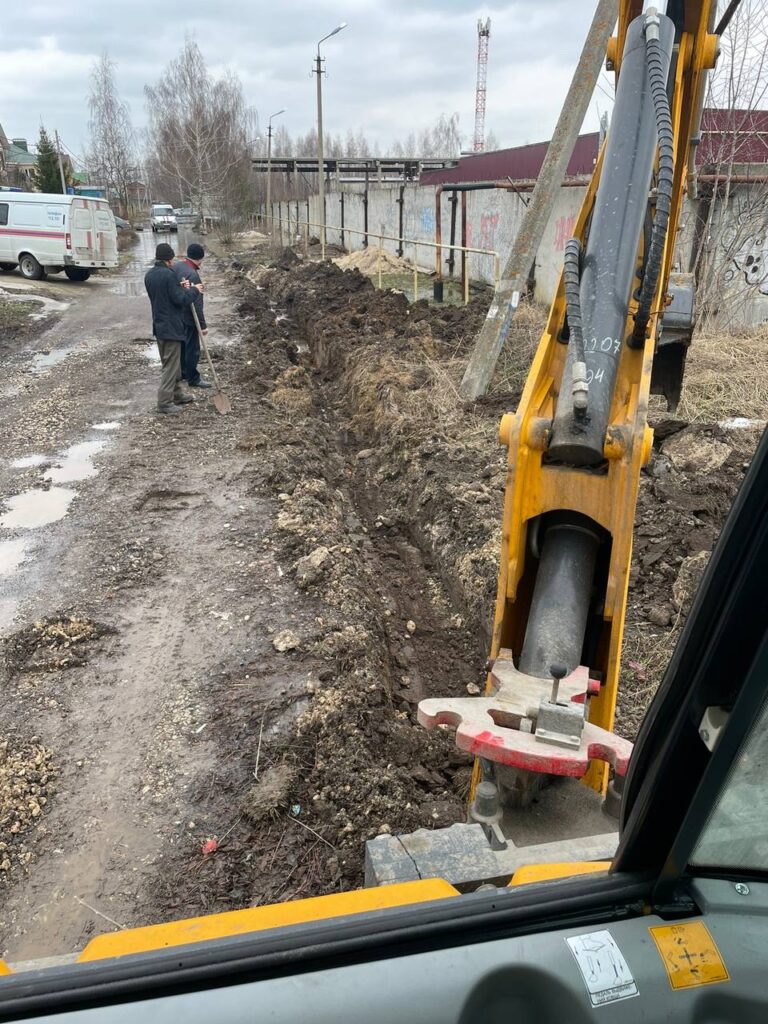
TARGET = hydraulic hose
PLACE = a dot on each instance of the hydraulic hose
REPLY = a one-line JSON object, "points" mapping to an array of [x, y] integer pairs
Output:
{"points": [[572, 280], [658, 82]]}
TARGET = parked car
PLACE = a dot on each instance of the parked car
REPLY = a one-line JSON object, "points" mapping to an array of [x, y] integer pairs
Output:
{"points": [[44, 233], [122, 224], [162, 217]]}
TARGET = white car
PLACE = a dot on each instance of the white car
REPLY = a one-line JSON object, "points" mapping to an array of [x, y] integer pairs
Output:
{"points": [[46, 233], [162, 218]]}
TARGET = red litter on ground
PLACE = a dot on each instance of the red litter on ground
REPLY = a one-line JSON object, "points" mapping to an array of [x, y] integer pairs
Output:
{"points": [[209, 846]]}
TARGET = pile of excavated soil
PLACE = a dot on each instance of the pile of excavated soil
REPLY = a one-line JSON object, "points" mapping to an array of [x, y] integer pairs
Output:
{"points": [[432, 468], [684, 498], [372, 260], [50, 644]]}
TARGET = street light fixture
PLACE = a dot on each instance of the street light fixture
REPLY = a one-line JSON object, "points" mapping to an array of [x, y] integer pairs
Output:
{"points": [[320, 159], [269, 167]]}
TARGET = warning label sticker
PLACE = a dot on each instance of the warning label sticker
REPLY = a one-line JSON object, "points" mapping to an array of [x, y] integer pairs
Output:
{"points": [[689, 954], [605, 971]]}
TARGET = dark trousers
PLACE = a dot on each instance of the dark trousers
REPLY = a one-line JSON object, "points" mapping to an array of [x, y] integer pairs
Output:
{"points": [[190, 354], [170, 375]]}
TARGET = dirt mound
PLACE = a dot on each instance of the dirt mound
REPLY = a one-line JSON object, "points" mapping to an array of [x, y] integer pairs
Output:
{"points": [[393, 369], [684, 498], [26, 776], [56, 642], [369, 261], [390, 492]]}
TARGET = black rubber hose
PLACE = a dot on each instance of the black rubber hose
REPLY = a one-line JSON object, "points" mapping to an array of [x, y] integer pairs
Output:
{"points": [[664, 184], [572, 279]]}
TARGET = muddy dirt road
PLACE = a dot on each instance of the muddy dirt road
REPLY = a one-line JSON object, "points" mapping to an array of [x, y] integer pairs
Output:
{"points": [[146, 525], [162, 641]]}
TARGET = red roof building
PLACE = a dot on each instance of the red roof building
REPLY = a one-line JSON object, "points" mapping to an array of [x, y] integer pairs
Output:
{"points": [[737, 135]]}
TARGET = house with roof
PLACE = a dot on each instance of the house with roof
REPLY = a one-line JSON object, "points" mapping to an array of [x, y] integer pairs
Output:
{"points": [[18, 164]]}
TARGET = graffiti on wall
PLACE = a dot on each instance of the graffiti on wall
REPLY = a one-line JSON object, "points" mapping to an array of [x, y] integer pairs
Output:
{"points": [[563, 231], [427, 221], [488, 224], [752, 261]]}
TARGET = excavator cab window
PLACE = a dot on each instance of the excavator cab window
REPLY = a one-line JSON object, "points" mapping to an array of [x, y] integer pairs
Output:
{"points": [[735, 839]]}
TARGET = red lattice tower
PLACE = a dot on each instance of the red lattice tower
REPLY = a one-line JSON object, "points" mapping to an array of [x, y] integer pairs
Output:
{"points": [[483, 35]]}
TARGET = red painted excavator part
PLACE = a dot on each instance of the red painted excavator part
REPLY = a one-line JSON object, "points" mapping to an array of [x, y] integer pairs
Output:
{"points": [[489, 726]]}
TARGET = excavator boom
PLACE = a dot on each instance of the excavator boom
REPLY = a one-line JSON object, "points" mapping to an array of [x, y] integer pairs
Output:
{"points": [[580, 436]]}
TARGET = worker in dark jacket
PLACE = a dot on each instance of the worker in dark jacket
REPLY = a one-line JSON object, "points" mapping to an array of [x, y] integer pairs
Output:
{"points": [[189, 269], [169, 298]]}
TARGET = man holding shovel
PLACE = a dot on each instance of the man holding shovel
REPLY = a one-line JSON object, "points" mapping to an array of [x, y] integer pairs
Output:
{"points": [[169, 298], [188, 269]]}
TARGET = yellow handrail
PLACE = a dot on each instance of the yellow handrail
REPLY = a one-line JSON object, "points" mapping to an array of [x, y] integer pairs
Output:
{"points": [[415, 242]]}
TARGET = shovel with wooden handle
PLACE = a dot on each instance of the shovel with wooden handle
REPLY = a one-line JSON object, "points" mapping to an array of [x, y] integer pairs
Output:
{"points": [[220, 400]]}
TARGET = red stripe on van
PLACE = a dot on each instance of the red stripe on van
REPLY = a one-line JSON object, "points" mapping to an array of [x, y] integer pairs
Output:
{"points": [[31, 234]]}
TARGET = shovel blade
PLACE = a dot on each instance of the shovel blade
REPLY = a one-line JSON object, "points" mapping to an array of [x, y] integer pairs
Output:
{"points": [[222, 403]]}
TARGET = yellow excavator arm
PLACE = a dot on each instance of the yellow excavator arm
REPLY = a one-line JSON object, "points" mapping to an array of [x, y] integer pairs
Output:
{"points": [[580, 436]]}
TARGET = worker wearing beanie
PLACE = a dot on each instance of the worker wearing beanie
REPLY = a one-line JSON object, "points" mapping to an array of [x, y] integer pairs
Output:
{"points": [[169, 297], [188, 269]]}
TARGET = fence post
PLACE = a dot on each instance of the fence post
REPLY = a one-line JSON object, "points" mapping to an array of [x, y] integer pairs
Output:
{"points": [[378, 258], [415, 271]]}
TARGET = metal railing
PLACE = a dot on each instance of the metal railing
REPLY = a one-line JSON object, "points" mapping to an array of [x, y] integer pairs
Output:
{"points": [[303, 227]]}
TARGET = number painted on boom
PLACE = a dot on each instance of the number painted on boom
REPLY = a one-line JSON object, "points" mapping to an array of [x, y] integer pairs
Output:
{"points": [[612, 345]]}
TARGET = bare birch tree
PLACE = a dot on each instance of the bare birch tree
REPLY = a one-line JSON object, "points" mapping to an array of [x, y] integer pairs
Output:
{"points": [[112, 157], [199, 135]]}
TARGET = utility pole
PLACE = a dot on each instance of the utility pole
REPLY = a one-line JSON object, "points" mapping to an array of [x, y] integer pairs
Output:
{"points": [[495, 329], [61, 165], [269, 168], [318, 70]]}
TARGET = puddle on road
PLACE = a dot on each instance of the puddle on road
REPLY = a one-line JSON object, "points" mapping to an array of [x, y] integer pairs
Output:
{"points": [[12, 554], [28, 461], [75, 463], [33, 508], [108, 425], [45, 360], [8, 608]]}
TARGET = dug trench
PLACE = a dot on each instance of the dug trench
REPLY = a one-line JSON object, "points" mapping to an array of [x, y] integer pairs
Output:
{"points": [[356, 549], [390, 494]]}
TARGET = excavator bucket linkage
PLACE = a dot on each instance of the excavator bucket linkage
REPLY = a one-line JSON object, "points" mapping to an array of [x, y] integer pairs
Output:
{"points": [[501, 727]]}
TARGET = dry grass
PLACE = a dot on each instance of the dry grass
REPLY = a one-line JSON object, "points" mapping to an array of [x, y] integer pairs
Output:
{"points": [[726, 375], [517, 355]]}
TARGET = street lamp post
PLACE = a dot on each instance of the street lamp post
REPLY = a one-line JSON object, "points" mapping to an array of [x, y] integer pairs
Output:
{"points": [[320, 158], [269, 168]]}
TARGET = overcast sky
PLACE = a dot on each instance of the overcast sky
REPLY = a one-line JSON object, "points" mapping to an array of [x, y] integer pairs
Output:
{"points": [[397, 66]]}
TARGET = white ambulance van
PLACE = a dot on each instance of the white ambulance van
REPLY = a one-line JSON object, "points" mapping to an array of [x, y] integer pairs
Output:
{"points": [[45, 233]]}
